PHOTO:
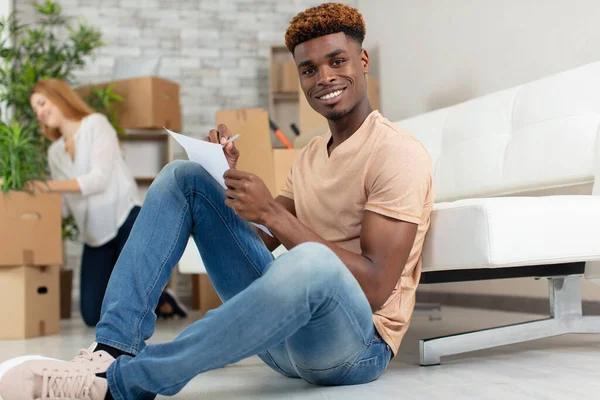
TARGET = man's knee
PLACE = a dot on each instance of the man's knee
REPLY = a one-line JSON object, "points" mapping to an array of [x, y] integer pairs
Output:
{"points": [[313, 252], [182, 168], [312, 262], [179, 172]]}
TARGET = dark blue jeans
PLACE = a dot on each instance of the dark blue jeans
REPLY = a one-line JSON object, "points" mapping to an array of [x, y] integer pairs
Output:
{"points": [[97, 264]]}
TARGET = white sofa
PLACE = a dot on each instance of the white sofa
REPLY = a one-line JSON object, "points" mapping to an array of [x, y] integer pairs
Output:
{"points": [[510, 170]]}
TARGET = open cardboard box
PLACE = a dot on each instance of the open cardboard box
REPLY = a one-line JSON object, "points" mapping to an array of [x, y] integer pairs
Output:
{"points": [[150, 102], [31, 232], [256, 154]]}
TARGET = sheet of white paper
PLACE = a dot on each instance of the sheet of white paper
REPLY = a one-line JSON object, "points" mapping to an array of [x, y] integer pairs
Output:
{"points": [[211, 157]]}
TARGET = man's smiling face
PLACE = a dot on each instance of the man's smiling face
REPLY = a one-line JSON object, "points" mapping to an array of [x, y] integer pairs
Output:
{"points": [[332, 72]]}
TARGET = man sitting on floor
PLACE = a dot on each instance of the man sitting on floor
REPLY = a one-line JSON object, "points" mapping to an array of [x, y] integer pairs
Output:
{"points": [[331, 311]]}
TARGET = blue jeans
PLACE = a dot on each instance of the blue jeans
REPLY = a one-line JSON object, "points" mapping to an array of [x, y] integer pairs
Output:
{"points": [[303, 314]]}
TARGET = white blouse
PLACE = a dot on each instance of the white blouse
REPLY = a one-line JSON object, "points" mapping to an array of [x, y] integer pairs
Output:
{"points": [[108, 189]]}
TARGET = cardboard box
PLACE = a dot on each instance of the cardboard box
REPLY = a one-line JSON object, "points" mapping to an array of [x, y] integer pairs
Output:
{"points": [[150, 102], [256, 154], [284, 77], [204, 296], [29, 301], [31, 232], [66, 293], [254, 144]]}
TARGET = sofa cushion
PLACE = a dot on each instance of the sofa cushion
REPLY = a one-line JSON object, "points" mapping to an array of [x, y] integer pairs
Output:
{"points": [[532, 137], [512, 232]]}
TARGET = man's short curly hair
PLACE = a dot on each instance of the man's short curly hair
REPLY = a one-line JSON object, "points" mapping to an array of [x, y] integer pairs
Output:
{"points": [[322, 20]]}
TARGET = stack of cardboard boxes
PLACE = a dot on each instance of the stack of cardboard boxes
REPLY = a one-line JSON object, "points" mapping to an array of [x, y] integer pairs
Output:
{"points": [[31, 254], [31, 246]]}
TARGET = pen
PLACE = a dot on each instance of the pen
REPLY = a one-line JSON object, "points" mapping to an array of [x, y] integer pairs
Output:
{"points": [[231, 139]]}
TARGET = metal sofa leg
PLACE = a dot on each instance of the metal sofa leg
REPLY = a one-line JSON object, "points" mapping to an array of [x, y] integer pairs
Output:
{"points": [[566, 317]]}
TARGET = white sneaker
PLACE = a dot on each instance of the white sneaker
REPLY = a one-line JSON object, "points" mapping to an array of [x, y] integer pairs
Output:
{"points": [[38, 378], [98, 361]]}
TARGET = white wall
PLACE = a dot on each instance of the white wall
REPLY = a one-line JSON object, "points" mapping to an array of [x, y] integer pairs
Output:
{"points": [[435, 53]]}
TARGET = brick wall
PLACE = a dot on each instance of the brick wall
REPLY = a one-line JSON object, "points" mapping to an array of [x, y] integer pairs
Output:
{"points": [[217, 50]]}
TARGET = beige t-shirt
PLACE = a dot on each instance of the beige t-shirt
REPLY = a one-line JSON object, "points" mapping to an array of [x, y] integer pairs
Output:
{"points": [[380, 168]]}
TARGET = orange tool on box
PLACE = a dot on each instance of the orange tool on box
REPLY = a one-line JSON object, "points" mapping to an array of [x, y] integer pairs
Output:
{"points": [[280, 135]]}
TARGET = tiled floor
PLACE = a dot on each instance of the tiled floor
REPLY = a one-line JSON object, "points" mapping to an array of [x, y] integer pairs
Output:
{"points": [[565, 367]]}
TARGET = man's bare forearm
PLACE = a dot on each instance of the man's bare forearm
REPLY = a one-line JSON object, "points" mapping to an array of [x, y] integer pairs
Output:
{"points": [[270, 241]]}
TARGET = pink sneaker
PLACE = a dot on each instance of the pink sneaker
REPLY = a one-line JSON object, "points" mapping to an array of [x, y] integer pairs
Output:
{"points": [[98, 361], [37, 378]]}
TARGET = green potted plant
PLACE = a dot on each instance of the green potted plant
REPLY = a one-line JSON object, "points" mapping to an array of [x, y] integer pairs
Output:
{"points": [[104, 100], [53, 48]]}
